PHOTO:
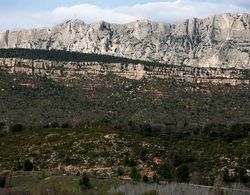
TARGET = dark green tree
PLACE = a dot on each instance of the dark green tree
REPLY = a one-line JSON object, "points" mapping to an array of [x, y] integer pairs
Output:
{"points": [[145, 178], [55, 125], [146, 129], [241, 174], [16, 128], [155, 178], [120, 171], [182, 174], [143, 154], [85, 182], [17, 166], [2, 181], [27, 165], [165, 171], [126, 160], [134, 174], [2, 125]]}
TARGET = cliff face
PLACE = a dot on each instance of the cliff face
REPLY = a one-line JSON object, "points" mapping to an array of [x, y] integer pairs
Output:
{"points": [[218, 41], [75, 70]]}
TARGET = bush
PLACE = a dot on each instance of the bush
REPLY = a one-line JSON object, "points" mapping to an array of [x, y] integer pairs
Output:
{"points": [[17, 166], [16, 128], [2, 124], [131, 125], [132, 163], [214, 130], [2, 181], [181, 156], [155, 178], [134, 174], [54, 125], [143, 154], [85, 182], [241, 174], [129, 162], [120, 171], [165, 171], [126, 161], [182, 174], [146, 129], [226, 176], [237, 131], [145, 178], [27, 165], [65, 125]]}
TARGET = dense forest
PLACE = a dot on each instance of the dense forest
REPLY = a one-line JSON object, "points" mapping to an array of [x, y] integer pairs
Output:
{"points": [[61, 55]]}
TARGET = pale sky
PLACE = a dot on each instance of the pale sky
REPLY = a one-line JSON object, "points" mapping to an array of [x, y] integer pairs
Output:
{"points": [[41, 13]]}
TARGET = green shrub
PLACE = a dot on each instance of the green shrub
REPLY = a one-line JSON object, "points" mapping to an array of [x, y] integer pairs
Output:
{"points": [[143, 154], [129, 161], [145, 178], [16, 128], [241, 174], [155, 178], [120, 171], [182, 174], [146, 129], [126, 161], [214, 130], [27, 165], [2, 181], [65, 125], [181, 156], [165, 171], [134, 174], [85, 182], [237, 131], [132, 163], [17, 166], [55, 125], [2, 124]]}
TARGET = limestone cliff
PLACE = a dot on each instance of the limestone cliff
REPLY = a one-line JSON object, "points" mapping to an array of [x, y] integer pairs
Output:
{"points": [[217, 41], [75, 70]]}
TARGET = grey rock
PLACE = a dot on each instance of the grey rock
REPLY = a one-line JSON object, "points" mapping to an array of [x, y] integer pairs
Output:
{"points": [[70, 70], [221, 41]]}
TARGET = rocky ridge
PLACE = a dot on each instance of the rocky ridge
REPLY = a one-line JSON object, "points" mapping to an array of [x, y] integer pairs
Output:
{"points": [[221, 41], [74, 70]]}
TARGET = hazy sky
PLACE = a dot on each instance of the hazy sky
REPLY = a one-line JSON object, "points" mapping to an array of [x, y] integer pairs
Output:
{"points": [[39, 13]]}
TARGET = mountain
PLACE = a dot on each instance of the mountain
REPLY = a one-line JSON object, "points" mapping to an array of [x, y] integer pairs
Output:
{"points": [[217, 41]]}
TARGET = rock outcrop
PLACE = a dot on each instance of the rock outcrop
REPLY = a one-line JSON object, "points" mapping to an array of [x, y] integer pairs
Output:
{"points": [[218, 41], [75, 70]]}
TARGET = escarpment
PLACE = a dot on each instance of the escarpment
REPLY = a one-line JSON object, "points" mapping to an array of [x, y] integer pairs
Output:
{"points": [[75, 70], [219, 41]]}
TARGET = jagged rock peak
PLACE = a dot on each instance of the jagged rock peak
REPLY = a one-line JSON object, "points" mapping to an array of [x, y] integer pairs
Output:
{"points": [[72, 22], [221, 40]]}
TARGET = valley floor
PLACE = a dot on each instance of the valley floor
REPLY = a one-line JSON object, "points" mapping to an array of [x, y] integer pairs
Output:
{"points": [[34, 184], [59, 155]]}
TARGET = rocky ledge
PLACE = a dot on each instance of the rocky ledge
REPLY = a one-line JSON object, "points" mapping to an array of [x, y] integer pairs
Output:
{"points": [[73, 70]]}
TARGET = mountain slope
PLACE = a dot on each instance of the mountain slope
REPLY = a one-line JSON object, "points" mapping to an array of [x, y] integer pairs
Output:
{"points": [[115, 101], [217, 41]]}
